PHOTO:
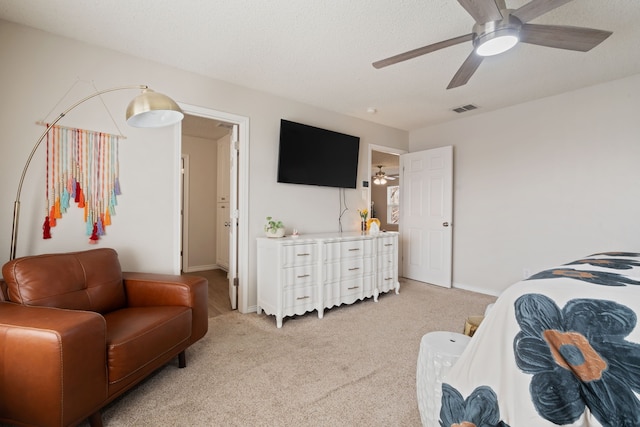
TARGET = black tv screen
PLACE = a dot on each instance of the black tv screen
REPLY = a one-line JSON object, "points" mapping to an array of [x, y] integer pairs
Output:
{"points": [[314, 156]]}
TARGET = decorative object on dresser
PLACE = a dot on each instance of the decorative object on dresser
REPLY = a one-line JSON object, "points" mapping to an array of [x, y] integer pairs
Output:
{"points": [[319, 271], [373, 225], [147, 110], [363, 219], [274, 228]]}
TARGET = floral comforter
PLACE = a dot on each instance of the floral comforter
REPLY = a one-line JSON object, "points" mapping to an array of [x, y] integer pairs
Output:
{"points": [[560, 348]]}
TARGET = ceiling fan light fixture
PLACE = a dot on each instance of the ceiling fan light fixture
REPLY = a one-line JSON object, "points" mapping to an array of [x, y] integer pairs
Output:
{"points": [[494, 43], [379, 181], [493, 38]]}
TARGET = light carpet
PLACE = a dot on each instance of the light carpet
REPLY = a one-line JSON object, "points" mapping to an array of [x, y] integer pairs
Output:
{"points": [[354, 367]]}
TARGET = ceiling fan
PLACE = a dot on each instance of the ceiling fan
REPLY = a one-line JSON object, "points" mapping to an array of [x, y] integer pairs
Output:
{"points": [[498, 29], [381, 178]]}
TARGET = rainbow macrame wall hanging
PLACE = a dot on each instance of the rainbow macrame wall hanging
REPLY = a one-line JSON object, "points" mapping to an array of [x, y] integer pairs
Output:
{"points": [[82, 168]]}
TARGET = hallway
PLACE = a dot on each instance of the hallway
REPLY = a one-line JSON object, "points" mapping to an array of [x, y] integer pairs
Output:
{"points": [[218, 291]]}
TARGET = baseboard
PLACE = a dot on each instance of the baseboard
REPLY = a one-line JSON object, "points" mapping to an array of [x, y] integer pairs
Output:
{"points": [[471, 288], [195, 268]]}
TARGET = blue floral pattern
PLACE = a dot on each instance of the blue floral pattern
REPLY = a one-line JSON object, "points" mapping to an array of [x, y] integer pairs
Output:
{"points": [[579, 359], [480, 409]]}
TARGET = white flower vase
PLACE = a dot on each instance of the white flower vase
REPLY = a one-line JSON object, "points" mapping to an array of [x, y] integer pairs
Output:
{"points": [[277, 233]]}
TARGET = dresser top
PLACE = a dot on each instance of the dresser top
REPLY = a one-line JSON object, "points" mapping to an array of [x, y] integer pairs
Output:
{"points": [[315, 237]]}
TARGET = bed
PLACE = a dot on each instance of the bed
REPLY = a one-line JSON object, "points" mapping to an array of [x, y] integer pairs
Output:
{"points": [[560, 348]]}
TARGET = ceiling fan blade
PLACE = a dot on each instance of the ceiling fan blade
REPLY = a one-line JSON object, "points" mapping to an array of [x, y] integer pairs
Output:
{"points": [[563, 37], [536, 8], [422, 51], [483, 11], [464, 73]]}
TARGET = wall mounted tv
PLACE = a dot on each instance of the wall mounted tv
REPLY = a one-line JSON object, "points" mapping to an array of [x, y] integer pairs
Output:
{"points": [[314, 156]]}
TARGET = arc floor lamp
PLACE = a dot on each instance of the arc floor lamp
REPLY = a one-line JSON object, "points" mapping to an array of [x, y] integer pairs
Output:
{"points": [[147, 110]]}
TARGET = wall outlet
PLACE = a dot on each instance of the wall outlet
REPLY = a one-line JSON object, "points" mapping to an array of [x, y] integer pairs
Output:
{"points": [[526, 273]]}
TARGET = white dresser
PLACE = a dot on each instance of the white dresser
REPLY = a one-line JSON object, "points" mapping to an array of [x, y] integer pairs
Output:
{"points": [[318, 271]]}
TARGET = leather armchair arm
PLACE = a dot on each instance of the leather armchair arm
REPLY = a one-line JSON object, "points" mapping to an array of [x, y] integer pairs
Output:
{"points": [[52, 364], [150, 289]]}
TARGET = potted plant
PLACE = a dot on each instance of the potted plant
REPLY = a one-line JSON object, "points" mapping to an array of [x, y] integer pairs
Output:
{"points": [[274, 228]]}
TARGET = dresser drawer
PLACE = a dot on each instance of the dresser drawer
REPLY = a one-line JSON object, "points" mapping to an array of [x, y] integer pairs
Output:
{"points": [[299, 276], [302, 297], [351, 249], [386, 261], [355, 267], [293, 255], [386, 280], [335, 251], [360, 286], [386, 244], [350, 267]]}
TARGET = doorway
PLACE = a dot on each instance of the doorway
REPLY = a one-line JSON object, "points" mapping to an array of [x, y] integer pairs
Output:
{"points": [[385, 186], [389, 159], [237, 212], [205, 188]]}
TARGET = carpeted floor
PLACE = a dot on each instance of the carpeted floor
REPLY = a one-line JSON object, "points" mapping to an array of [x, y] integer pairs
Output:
{"points": [[355, 367]]}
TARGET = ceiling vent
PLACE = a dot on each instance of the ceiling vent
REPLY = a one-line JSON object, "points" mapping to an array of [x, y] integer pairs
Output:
{"points": [[464, 108]]}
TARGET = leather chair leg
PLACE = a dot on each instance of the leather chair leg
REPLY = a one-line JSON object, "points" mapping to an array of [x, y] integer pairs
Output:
{"points": [[182, 360], [95, 419]]}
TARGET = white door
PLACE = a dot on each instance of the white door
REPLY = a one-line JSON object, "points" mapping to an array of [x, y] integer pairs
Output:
{"points": [[426, 211], [233, 220]]}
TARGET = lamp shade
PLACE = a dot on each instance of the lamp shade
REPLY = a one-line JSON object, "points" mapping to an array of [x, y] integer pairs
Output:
{"points": [[152, 109]]}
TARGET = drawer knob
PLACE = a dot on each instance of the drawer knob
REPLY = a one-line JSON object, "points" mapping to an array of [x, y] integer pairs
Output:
{"points": [[304, 297], [354, 249], [303, 276], [354, 269], [303, 254], [353, 287]]}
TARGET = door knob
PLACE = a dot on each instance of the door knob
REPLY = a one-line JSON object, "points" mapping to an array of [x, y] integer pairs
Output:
{"points": [[445, 224]]}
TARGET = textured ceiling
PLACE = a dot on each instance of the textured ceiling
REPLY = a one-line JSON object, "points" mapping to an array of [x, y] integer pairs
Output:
{"points": [[320, 51]]}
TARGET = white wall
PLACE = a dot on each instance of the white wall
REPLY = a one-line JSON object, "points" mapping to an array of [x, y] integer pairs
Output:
{"points": [[542, 183], [38, 69]]}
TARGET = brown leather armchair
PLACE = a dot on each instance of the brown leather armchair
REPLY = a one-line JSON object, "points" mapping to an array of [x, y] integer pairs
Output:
{"points": [[76, 332]]}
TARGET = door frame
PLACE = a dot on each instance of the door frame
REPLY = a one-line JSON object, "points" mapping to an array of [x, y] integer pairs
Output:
{"points": [[242, 238], [184, 209]]}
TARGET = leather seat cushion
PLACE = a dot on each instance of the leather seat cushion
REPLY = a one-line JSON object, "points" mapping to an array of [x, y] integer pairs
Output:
{"points": [[137, 336]]}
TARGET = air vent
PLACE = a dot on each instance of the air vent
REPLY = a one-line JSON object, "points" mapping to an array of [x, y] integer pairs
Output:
{"points": [[464, 108]]}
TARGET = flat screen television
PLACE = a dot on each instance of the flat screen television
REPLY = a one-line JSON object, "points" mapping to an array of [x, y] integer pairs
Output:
{"points": [[314, 156]]}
